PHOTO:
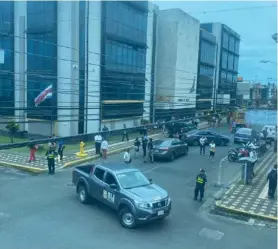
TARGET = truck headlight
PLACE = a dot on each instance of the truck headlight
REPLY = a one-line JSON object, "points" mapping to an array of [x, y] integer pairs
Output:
{"points": [[168, 201], [144, 205]]}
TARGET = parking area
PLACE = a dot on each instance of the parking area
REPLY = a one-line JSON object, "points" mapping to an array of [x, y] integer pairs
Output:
{"points": [[43, 211]]}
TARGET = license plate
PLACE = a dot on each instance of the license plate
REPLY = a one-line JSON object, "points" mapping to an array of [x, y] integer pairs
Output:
{"points": [[160, 212]]}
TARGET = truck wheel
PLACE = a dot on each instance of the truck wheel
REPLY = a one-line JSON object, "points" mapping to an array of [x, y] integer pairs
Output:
{"points": [[83, 194], [127, 218]]}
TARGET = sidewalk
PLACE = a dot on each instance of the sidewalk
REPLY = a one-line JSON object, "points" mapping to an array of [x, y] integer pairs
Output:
{"points": [[252, 200], [40, 165]]}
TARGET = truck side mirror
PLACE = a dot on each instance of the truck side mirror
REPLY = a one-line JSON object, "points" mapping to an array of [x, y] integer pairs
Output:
{"points": [[113, 186]]}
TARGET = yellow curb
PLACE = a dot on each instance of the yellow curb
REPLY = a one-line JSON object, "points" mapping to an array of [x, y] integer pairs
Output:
{"points": [[238, 211], [23, 168], [83, 160]]}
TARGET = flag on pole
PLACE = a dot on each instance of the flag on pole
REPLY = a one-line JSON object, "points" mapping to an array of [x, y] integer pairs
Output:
{"points": [[45, 94]]}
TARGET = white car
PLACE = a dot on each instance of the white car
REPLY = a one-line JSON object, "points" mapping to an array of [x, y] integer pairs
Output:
{"points": [[271, 132]]}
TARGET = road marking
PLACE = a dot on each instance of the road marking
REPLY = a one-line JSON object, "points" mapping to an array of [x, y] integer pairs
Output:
{"points": [[151, 169], [211, 234], [264, 193]]}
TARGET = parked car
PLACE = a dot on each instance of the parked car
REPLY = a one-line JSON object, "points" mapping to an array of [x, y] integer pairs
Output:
{"points": [[270, 135], [193, 137], [243, 135], [169, 149], [179, 127], [126, 190]]}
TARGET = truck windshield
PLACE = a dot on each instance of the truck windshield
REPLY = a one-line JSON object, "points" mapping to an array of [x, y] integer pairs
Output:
{"points": [[133, 179]]}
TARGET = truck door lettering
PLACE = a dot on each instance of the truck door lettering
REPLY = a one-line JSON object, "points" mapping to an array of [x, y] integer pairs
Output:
{"points": [[108, 196]]}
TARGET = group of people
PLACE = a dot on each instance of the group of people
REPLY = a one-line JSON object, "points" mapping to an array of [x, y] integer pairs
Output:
{"points": [[212, 147], [147, 148], [101, 145], [51, 154]]}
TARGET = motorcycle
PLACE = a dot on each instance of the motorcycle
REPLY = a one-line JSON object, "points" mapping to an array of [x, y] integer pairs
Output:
{"points": [[235, 154]]}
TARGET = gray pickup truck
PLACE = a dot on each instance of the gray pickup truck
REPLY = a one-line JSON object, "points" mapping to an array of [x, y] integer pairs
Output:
{"points": [[126, 190]]}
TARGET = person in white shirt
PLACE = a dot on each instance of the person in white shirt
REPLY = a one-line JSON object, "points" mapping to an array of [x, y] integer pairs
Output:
{"points": [[98, 140], [203, 141], [212, 149], [104, 148], [127, 157]]}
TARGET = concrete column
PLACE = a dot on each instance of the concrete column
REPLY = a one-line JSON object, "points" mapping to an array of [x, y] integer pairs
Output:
{"points": [[148, 72], [20, 63], [94, 67], [68, 73]]}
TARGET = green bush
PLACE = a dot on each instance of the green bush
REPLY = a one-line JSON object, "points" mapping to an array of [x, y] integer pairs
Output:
{"points": [[12, 127]]}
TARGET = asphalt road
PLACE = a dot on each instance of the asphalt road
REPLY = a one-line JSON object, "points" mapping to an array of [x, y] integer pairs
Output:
{"points": [[44, 212]]}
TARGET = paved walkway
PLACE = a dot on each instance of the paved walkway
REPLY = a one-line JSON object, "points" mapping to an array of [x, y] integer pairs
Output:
{"points": [[252, 200], [40, 165]]}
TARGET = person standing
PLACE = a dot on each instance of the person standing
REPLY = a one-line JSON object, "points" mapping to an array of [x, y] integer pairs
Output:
{"points": [[144, 146], [136, 147], [212, 149], [33, 148], [61, 147], [272, 182], [127, 157], [150, 150], [98, 140], [50, 154], [105, 132], [201, 180], [104, 148], [203, 141], [125, 134]]}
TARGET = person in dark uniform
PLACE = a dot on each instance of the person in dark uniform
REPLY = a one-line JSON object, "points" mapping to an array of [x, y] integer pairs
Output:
{"points": [[150, 150], [201, 180], [272, 182], [51, 160], [144, 146]]}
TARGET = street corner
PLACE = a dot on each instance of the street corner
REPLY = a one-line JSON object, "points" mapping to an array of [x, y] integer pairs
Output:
{"points": [[29, 169]]}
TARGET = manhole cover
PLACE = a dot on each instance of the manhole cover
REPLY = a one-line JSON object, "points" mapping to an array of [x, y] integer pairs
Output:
{"points": [[211, 234]]}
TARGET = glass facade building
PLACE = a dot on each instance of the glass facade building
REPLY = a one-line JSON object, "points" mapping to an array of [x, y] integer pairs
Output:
{"points": [[206, 70], [124, 45], [41, 57], [228, 60], [229, 63], [7, 69]]}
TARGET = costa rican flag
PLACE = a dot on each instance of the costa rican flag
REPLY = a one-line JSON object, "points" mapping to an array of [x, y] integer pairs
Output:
{"points": [[45, 94]]}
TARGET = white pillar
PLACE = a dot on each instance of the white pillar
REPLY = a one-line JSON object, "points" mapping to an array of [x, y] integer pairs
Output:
{"points": [[94, 67], [68, 71], [20, 63]]}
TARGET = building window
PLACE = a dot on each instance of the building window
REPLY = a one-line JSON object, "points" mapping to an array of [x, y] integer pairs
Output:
{"points": [[237, 47], [124, 21], [124, 58], [7, 69], [229, 78], [230, 61], [207, 52], [225, 40], [223, 77], [232, 44], [236, 63], [206, 71], [224, 59], [42, 57]]}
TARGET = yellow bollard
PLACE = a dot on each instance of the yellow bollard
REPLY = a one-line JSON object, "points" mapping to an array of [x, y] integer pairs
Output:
{"points": [[81, 153]]}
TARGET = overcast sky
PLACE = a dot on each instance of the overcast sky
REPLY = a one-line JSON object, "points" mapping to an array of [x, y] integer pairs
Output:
{"points": [[255, 27]]}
